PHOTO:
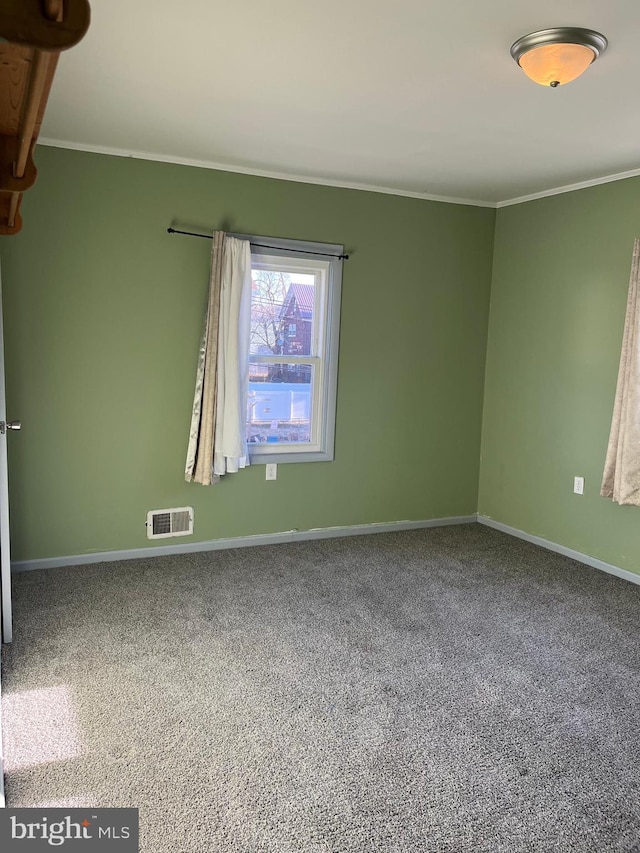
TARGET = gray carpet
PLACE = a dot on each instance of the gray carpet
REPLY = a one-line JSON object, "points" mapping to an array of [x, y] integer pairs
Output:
{"points": [[451, 689]]}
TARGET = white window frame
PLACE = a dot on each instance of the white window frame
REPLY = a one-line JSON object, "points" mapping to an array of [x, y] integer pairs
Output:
{"points": [[308, 256]]}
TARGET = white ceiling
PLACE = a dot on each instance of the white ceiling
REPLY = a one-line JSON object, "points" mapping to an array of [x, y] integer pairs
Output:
{"points": [[412, 96]]}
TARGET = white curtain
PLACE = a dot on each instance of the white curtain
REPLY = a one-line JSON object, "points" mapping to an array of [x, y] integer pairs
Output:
{"points": [[621, 480], [217, 442]]}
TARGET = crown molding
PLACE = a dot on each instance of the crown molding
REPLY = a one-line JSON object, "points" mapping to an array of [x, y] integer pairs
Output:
{"points": [[326, 182], [569, 188], [259, 173]]}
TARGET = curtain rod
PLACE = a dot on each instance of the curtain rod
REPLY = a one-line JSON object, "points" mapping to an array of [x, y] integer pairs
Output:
{"points": [[262, 245]]}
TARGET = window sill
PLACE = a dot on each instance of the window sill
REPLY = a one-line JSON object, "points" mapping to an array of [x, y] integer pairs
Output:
{"points": [[295, 456]]}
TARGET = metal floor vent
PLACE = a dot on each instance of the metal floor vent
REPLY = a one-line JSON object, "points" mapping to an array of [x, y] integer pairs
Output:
{"points": [[162, 523]]}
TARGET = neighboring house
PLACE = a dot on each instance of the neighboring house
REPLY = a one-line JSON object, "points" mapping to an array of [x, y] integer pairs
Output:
{"points": [[296, 316]]}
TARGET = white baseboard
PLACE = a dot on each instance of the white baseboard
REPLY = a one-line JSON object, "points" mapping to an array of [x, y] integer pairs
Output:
{"points": [[317, 533], [237, 542], [560, 549]]}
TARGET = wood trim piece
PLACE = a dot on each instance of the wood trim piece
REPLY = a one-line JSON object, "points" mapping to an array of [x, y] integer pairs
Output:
{"points": [[28, 22], [15, 67], [32, 104], [32, 34], [9, 183], [6, 201], [54, 10], [14, 204]]}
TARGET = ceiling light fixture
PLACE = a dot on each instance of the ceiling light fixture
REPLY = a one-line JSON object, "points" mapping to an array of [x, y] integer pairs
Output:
{"points": [[557, 56]]}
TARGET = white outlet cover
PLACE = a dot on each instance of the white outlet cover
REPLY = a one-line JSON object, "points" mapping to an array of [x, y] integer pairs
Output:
{"points": [[578, 485]]}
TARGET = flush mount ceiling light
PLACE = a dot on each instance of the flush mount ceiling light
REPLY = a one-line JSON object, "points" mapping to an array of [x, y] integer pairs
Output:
{"points": [[557, 56]]}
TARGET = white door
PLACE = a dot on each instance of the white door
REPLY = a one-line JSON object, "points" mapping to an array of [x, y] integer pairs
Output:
{"points": [[5, 554]]}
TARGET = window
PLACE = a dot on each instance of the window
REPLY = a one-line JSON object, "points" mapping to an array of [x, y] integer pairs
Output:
{"points": [[293, 350]]}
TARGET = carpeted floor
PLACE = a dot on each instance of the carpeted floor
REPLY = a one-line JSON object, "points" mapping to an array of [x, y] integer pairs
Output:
{"points": [[452, 690]]}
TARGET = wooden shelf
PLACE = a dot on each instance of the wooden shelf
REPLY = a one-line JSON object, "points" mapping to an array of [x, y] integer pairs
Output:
{"points": [[35, 31]]}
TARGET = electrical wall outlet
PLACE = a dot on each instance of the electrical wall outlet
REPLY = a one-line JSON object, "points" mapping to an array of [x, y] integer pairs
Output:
{"points": [[578, 485], [272, 471]]}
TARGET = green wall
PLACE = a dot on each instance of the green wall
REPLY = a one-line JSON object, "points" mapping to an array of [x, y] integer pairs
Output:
{"points": [[103, 313], [102, 319], [561, 273]]}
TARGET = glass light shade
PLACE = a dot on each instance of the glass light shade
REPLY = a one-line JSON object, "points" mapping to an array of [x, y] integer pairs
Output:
{"points": [[554, 64]]}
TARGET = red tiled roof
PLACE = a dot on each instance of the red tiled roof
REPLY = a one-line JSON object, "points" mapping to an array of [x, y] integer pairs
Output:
{"points": [[304, 296]]}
